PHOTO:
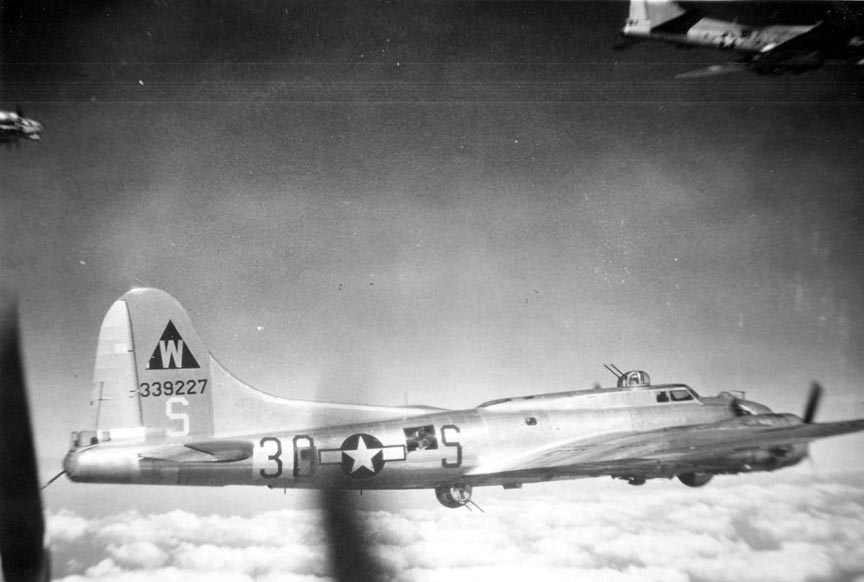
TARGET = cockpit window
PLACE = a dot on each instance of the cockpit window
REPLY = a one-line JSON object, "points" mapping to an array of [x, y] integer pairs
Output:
{"points": [[680, 395], [418, 438], [663, 396]]}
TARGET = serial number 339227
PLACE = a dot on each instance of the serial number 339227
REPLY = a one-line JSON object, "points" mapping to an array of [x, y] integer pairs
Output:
{"points": [[172, 388]]}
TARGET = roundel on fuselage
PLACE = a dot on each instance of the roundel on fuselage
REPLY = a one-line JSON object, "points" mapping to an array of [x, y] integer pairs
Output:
{"points": [[362, 456]]}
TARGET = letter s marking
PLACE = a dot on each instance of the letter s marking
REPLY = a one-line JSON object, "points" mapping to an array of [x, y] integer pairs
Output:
{"points": [[181, 416], [448, 443]]}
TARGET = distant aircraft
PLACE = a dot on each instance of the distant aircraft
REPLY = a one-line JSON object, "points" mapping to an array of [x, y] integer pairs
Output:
{"points": [[14, 127], [166, 412], [770, 49]]}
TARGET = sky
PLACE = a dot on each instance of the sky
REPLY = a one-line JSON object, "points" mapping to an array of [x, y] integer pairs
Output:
{"points": [[431, 202]]}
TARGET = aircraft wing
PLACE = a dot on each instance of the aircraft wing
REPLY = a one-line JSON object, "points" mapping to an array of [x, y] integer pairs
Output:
{"points": [[201, 452], [805, 50], [802, 50], [678, 445]]}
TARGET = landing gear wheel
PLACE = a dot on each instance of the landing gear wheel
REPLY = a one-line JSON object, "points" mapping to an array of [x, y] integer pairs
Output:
{"points": [[453, 496], [695, 479]]}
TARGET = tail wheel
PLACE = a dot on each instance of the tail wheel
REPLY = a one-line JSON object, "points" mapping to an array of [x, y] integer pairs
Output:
{"points": [[453, 496], [695, 479]]}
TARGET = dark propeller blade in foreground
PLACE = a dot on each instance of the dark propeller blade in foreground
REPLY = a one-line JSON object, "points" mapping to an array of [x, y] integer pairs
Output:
{"points": [[22, 525], [812, 402], [350, 553]]}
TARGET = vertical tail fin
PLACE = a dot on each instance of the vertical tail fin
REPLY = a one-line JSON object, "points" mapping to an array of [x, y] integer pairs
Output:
{"points": [[648, 14], [155, 380], [152, 376]]}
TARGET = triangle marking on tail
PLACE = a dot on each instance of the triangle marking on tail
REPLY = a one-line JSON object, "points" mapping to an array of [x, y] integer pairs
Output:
{"points": [[171, 352]]}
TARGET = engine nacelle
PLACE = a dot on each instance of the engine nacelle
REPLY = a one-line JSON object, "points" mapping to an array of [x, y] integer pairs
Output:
{"points": [[695, 479], [769, 459]]}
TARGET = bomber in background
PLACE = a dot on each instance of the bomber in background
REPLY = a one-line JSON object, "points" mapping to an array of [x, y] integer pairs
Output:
{"points": [[166, 412], [14, 127], [835, 35]]}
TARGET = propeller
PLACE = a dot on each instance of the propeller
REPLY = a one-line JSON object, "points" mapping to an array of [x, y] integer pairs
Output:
{"points": [[351, 556], [809, 414], [22, 524], [812, 402]]}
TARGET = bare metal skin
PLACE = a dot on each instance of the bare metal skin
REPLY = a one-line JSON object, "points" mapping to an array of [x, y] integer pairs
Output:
{"points": [[168, 413]]}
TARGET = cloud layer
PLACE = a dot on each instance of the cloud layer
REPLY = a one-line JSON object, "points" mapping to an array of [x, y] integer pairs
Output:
{"points": [[746, 529]]}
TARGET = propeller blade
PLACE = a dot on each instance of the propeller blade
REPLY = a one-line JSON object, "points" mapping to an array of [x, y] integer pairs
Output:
{"points": [[22, 524], [812, 402], [351, 555]]}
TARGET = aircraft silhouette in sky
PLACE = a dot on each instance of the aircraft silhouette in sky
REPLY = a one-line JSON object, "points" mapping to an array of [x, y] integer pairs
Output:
{"points": [[767, 49], [166, 412]]}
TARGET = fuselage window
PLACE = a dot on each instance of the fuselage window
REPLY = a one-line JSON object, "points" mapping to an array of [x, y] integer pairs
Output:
{"points": [[681, 395], [662, 397], [419, 438], [530, 420]]}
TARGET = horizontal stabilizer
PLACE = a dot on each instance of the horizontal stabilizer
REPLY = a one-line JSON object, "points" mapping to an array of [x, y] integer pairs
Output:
{"points": [[202, 452]]}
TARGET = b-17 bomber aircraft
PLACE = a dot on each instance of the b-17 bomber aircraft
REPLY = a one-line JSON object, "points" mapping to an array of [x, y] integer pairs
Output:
{"points": [[768, 49], [14, 127], [166, 412]]}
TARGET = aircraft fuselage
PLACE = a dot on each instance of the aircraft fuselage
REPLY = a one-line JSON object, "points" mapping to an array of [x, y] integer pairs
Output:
{"points": [[424, 451], [167, 412]]}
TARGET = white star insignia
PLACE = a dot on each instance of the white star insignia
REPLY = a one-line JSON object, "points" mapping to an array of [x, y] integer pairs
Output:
{"points": [[362, 456]]}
